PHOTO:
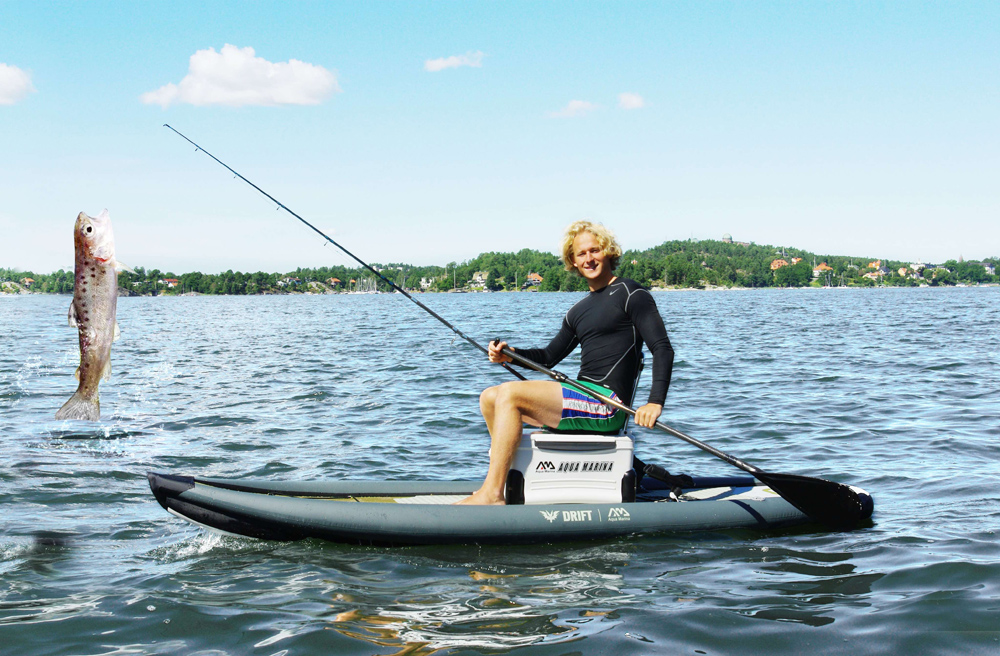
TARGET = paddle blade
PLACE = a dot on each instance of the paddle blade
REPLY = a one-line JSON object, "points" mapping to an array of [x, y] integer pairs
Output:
{"points": [[834, 504]]}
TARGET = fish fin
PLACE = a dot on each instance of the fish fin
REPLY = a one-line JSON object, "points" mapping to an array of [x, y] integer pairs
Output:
{"points": [[106, 374], [120, 266], [72, 314], [76, 374], [118, 333], [79, 407]]}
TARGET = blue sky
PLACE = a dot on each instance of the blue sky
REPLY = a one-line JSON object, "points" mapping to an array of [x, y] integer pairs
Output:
{"points": [[431, 132]]}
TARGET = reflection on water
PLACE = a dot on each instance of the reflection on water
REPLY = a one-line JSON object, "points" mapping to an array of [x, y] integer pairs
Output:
{"points": [[809, 587], [426, 601], [485, 623], [412, 602], [505, 610]]}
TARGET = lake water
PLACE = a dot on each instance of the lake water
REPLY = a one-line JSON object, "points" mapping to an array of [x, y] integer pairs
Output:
{"points": [[893, 390]]}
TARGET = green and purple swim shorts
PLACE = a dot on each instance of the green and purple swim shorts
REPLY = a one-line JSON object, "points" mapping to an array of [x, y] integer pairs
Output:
{"points": [[585, 414]]}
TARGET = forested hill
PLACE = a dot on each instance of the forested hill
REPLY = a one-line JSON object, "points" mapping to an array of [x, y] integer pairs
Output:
{"points": [[715, 263], [699, 264]]}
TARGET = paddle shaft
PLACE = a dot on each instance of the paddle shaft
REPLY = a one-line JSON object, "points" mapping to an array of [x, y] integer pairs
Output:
{"points": [[608, 401], [347, 252]]}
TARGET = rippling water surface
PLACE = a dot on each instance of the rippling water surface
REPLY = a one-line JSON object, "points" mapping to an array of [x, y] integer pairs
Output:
{"points": [[896, 391]]}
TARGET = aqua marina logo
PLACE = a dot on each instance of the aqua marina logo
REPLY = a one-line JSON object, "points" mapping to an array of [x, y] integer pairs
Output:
{"points": [[619, 515]]}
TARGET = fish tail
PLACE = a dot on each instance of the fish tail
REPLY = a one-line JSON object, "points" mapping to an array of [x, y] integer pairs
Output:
{"points": [[80, 407]]}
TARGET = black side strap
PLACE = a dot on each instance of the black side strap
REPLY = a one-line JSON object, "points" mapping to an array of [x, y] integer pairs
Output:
{"points": [[640, 469], [676, 481]]}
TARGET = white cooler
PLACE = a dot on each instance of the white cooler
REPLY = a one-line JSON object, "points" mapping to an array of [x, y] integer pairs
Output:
{"points": [[551, 468]]}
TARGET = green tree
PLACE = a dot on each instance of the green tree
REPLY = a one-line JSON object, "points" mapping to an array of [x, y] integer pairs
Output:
{"points": [[942, 276], [795, 275], [494, 281]]}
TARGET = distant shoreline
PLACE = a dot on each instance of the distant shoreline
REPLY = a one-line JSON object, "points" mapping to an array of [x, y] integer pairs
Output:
{"points": [[688, 264], [124, 294]]}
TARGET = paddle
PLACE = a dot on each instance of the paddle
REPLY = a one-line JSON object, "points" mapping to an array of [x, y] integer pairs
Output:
{"points": [[833, 504]]}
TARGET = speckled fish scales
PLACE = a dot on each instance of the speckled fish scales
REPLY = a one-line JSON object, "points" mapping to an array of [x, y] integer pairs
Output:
{"points": [[92, 312]]}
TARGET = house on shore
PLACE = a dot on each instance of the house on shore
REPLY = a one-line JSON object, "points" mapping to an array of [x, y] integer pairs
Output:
{"points": [[989, 268], [533, 280], [479, 278], [820, 269]]}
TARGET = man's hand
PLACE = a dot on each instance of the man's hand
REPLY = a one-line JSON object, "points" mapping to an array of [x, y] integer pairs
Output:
{"points": [[647, 415], [495, 352]]}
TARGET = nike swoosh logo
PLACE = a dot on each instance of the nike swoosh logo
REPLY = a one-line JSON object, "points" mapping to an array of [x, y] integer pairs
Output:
{"points": [[612, 293]]}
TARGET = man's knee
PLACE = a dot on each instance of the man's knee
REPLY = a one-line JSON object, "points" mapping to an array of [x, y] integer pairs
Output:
{"points": [[488, 397], [512, 394]]}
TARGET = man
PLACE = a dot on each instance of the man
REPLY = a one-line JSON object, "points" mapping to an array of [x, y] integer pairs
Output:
{"points": [[610, 324]]}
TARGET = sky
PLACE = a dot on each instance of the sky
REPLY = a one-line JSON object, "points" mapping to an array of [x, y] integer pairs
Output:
{"points": [[427, 133]]}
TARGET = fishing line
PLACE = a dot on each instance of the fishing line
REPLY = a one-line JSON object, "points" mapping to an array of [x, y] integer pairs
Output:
{"points": [[282, 206]]}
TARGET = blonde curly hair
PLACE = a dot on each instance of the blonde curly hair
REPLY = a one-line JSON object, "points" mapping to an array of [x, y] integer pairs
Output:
{"points": [[606, 239]]}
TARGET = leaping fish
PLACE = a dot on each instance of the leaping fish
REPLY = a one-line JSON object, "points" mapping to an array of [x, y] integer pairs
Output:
{"points": [[95, 301]]}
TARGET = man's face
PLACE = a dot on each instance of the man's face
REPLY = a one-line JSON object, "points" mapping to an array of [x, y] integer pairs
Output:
{"points": [[589, 258]]}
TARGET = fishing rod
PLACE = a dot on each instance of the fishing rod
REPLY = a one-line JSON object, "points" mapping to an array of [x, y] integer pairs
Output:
{"points": [[349, 253]]}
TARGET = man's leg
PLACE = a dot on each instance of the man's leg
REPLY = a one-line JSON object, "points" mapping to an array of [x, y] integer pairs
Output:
{"points": [[506, 408]]}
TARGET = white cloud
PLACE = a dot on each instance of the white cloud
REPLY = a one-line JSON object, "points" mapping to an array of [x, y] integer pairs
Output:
{"points": [[473, 59], [630, 101], [575, 108], [15, 84], [236, 77]]}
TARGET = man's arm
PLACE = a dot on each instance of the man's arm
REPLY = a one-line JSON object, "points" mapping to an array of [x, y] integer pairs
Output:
{"points": [[642, 311], [561, 345]]}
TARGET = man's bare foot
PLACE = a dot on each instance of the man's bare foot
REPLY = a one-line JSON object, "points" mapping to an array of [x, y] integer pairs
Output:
{"points": [[480, 498]]}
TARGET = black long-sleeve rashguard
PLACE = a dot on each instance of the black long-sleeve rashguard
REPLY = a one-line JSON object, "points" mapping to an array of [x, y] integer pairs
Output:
{"points": [[611, 326]]}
